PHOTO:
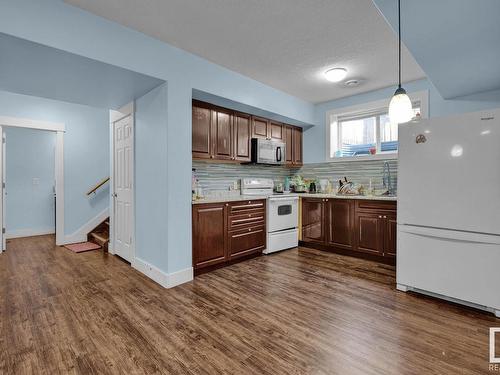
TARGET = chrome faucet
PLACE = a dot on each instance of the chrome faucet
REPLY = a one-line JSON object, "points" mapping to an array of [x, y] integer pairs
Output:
{"points": [[387, 180]]}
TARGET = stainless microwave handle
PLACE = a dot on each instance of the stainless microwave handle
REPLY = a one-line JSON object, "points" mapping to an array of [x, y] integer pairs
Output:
{"points": [[278, 153]]}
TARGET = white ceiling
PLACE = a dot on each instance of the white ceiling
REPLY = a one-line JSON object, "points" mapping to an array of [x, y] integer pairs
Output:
{"points": [[286, 44]]}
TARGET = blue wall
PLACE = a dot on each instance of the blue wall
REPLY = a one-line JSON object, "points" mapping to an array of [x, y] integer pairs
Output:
{"points": [[151, 177], [86, 150], [59, 25], [29, 206], [314, 138]]}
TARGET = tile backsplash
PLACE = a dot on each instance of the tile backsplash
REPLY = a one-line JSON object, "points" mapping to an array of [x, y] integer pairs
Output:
{"points": [[357, 171], [219, 178]]}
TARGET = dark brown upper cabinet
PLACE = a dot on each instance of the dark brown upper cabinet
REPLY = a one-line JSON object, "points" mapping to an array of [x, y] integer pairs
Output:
{"points": [[297, 147], [260, 127], [289, 144], [242, 128], [221, 134], [292, 136], [202, 134], [276, 131]]}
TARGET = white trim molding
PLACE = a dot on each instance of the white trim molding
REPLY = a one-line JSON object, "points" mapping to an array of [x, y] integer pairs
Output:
{"points": [[18, 122], [419, 96], [166, 280], [80, 235], [59, 173], [124, 111], [20, 233]]}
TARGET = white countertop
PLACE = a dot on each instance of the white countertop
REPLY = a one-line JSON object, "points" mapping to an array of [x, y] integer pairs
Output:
{"points": [[238, 197]]}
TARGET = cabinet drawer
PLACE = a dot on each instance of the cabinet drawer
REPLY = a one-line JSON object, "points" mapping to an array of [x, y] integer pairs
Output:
{"points": [[247, 220], [245, 207], [247, 241], [365, 205]]}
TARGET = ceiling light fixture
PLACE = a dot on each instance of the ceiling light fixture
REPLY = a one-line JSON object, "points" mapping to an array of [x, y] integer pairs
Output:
{"points": [[400, 109], [336, 74]]}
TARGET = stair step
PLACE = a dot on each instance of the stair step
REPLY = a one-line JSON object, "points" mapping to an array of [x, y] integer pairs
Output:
{"points": [[100, 238]]}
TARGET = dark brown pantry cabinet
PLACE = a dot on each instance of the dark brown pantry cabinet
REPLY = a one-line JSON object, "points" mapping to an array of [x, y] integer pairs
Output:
{"points": [[221, 134], [363, 228], [224, 233]]}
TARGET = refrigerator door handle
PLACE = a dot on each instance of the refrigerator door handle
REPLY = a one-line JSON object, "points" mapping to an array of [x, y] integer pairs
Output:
{"points": [[451, 235]]}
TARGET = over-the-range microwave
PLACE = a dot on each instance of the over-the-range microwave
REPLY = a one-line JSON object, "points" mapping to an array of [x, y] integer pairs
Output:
{"points": [[265, 151]]}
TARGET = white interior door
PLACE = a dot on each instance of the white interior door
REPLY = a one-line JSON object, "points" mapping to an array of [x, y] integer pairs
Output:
{"points": [[123, 187]]}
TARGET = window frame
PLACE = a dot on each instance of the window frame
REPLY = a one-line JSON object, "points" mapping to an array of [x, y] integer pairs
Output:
{"points": [[422, 97]]}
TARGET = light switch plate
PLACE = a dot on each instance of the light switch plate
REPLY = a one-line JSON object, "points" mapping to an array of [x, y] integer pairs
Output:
{"points": [[36, 181]]}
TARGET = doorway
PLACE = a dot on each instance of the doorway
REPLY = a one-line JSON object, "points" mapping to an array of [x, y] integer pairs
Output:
{"points": [[57, 184], [29, 166]]}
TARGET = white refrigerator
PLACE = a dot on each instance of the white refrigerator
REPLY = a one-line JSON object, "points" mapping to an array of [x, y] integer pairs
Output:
{"points": [[449, 208]]}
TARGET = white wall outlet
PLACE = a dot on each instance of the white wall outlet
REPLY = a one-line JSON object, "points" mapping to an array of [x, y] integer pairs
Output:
{"points": [[235, 185]]}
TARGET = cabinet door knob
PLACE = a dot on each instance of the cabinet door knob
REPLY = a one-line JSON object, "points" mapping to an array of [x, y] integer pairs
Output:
{"points": [[385, 217], [327, 200], [249, 229], [380, 216], [227, 204]]}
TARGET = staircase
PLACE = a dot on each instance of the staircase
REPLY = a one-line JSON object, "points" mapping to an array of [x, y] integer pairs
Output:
{"points": [[100, 235]]}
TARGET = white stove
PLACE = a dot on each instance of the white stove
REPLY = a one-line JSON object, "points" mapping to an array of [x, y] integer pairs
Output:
{"points": [[282, 214]]}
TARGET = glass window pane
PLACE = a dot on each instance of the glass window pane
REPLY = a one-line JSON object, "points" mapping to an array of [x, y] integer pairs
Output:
{"points": [[388, 135], [358, 137]]}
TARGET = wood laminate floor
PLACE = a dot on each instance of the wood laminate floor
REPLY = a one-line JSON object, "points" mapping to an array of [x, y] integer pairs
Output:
{"points": [[296, 312]]}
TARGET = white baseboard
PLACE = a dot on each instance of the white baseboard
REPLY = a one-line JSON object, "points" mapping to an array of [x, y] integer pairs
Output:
{"points": [[80, 235], [167, 280], [19, 233]]}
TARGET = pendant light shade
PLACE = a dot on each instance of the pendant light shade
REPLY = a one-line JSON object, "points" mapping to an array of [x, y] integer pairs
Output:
{"points": [[400, 108]]}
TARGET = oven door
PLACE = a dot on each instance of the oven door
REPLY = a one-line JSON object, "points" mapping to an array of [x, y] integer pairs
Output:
{"points": [[283, 213]]}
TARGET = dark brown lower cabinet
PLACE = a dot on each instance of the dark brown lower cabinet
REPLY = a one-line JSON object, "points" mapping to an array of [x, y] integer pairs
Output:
{"points": [[209, 239], [340, 219], [359, 228], [246, 241], [313, 220], [224, 233]]}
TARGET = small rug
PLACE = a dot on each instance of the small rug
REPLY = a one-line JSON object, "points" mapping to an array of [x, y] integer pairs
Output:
{"points": [[83, 246]]}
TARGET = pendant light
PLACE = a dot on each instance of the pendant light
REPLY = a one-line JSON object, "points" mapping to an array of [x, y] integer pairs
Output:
{"points": [[400, 108]]}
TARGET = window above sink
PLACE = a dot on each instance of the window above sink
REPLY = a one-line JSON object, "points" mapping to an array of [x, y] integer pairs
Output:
{"points": [[365, 131]]}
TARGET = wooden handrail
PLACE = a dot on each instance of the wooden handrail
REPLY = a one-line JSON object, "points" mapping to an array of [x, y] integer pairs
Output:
{"points": [[95, 188]]}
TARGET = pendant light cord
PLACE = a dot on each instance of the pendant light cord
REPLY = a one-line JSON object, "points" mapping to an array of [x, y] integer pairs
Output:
{"points": [[399, 45]]}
